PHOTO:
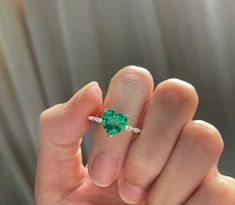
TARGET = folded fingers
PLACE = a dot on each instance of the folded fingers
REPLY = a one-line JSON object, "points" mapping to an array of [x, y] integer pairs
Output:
{"points": [[171, 156], [172, 104]]}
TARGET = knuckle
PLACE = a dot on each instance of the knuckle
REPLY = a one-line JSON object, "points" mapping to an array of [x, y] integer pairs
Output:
{"points": [[218, 189], [138, 76], [225, 190], [183, 90], [205, 134]]}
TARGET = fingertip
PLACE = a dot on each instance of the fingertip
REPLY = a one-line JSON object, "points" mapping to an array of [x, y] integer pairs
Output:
{"points": [[88, 101], [94, 93], [90, 93]]}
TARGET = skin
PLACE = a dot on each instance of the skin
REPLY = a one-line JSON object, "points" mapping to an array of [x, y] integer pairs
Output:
{"points": [[173, 160]]}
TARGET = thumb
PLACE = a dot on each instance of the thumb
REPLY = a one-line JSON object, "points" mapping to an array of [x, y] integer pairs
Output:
{"points": [[59, 164]]}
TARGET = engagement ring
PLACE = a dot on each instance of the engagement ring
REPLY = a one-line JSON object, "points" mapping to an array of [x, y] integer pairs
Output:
{"points": [[113, 122]]}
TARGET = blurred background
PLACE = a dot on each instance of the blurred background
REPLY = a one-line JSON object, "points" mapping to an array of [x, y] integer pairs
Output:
{"points": [[50, 49]]}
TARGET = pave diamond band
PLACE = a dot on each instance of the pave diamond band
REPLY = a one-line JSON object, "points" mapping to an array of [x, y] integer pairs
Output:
{"points": [[114, 122], [95, 119]]}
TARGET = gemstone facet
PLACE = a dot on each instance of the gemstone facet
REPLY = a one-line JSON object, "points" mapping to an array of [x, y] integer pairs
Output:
{"points": [[113, 122]]}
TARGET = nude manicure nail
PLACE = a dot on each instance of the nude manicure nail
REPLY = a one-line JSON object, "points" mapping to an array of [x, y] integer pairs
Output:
{"points": [[131, 193], [103, 169]]}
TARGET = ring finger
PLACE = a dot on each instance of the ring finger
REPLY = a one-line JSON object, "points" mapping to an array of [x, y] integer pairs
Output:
{"points": [[128, 93]]}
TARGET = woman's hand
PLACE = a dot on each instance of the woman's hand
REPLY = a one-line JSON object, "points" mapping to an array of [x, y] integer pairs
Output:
{"points": [[173, 161]]}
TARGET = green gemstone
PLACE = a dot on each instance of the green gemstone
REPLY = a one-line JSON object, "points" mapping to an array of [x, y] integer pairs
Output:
{"points": [[113, 122]]}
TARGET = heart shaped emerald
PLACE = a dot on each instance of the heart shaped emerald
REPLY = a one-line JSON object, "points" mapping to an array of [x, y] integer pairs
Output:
{"points": [[113, 122]]}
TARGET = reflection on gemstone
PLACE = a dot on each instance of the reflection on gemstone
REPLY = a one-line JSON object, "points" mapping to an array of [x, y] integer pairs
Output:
{"points": [[113, 122]]}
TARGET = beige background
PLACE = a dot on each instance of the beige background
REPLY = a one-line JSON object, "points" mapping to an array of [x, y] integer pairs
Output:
{"points": [[50, 49]]}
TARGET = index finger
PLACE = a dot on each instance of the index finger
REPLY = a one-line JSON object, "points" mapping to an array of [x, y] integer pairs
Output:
{"points": [[59, 165]]}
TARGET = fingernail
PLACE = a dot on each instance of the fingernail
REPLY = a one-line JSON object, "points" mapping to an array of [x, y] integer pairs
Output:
{"points": [[131, 193], [103, 169]]}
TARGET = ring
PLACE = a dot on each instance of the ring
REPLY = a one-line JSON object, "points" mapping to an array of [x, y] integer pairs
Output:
{"points": [[113, 122]]}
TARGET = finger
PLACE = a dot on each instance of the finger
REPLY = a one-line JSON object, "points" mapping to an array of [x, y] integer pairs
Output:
{"points": [[171, 106], [128, 92], [59, 165], [218, 190], [196, 152]]}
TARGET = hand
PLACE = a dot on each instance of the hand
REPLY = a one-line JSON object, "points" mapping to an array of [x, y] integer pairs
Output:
{"points": [[173, 160]]}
